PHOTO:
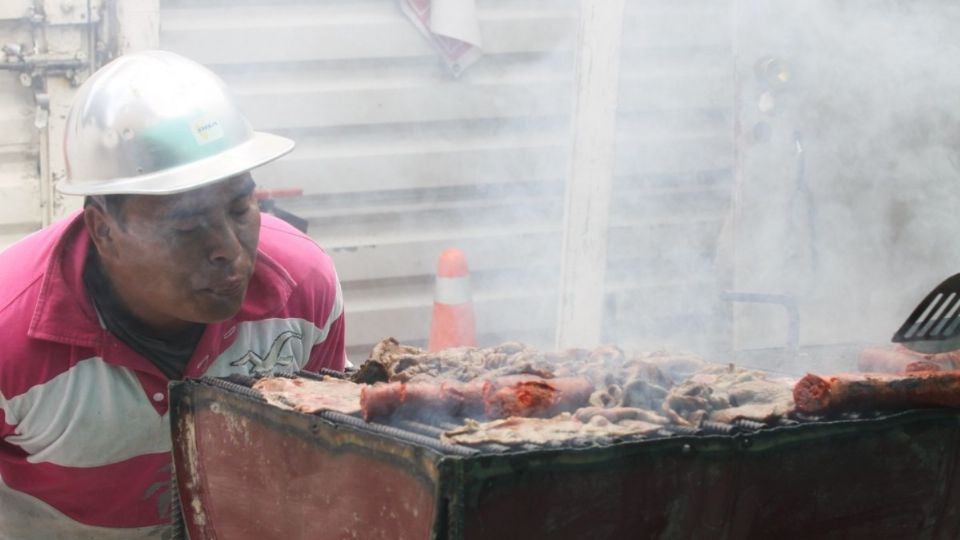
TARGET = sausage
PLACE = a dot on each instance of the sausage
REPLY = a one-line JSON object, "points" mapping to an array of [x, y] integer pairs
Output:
{"points": [[465, 399], [877, 391], [535, 397], [520, 395], [900, 360], [381, 399]]}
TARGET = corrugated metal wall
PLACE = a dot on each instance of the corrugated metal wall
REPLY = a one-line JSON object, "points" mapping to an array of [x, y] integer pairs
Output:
{"points": [[19, 139], [47, 50], [674, 177], [399, 161]]}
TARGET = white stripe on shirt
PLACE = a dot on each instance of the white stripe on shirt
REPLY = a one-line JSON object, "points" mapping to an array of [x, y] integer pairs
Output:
{"points": [[63, 421]]}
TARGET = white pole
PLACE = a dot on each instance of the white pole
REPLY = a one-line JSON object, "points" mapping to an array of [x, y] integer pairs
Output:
{"points": [[583, 261], [138, 25]]}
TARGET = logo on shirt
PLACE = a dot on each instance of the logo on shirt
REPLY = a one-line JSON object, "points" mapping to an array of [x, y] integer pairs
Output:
{"points": [[266, 363]]}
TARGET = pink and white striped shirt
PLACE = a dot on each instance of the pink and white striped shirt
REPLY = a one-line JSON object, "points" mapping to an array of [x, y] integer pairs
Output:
{"points": [[84, 426]]}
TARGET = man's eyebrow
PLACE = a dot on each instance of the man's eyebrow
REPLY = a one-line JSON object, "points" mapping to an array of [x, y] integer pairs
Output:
{"points": [[183, 213], [186, 212]]}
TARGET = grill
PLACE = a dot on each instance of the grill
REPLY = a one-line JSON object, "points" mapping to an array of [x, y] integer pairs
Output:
{"points": [[246, 469]]}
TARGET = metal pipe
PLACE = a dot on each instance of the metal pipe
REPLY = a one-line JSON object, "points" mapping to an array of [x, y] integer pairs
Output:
{"points": [[26, 66], [748, 424], [719, 428], [418, 427], [234, 387], [683, 430]]}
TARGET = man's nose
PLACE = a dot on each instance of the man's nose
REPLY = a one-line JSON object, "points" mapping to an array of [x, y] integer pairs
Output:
{"points": [[224, 245]]}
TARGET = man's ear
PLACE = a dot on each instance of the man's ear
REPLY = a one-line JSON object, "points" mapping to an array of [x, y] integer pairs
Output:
{"points": [[101, 227]]}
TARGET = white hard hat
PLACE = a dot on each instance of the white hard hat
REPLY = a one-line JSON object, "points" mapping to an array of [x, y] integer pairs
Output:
{"points": [[156, 123]]}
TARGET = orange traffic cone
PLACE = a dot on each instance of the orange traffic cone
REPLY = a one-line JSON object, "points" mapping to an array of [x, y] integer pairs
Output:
{"points": [[452, 324]]}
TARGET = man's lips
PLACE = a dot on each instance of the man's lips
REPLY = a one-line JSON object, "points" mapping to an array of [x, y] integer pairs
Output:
{"points": [[230, 287]]}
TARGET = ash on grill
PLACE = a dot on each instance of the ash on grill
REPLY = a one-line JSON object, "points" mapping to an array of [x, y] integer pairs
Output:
{"points": [[514, 396]]}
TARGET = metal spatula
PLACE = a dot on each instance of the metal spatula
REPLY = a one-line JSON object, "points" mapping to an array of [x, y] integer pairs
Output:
{"points": [[934, 326]]}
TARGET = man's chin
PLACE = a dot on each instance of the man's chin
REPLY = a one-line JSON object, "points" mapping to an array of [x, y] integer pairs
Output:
{"points": [[218, 311]]}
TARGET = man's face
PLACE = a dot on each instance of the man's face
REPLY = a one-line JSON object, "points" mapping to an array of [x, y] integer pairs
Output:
{"points": [[186, 257]]}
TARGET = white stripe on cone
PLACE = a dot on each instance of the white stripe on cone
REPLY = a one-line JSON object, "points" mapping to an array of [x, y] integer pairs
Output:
{"points": [[452, 291]]}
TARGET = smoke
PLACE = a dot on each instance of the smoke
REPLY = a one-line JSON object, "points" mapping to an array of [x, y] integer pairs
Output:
{"points": [[837, 188], [872, 97]]}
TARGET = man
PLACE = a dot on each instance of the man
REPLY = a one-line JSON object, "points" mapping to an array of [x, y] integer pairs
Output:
{"points": [[169, 272]]}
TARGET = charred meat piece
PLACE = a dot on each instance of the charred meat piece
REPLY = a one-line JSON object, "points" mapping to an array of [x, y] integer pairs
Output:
{"points": [[816, 394], [534, 397], [497, 398], [371, 372]]}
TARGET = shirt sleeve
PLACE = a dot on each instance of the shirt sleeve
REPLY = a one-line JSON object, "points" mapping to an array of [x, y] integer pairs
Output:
{"points": [[330, 352]]}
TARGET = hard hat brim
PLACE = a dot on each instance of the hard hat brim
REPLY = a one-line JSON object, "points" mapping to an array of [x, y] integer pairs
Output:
{"points": [[262, 148]]}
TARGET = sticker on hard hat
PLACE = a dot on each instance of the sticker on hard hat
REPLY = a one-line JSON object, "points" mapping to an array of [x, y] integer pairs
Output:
{"points": [[206, 130]]}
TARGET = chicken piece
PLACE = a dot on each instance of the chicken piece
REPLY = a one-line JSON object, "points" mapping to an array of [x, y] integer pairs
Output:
{"points": [[725, 393], [618, 414], [640, 393], [611, 396], [562, 430]]}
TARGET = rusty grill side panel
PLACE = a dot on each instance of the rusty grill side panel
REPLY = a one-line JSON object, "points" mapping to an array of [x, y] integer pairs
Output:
{"points": [[248, 470], [251, 471]]}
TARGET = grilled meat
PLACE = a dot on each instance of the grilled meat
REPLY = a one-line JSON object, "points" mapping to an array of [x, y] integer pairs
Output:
{"points": [[309, 396], [900, 360], [526, 396], [403, 363], [562, 430], [519, 395], [877, 391], [726, 393], [637, 379], [619, 414], [425, 400], [602, 393]]}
